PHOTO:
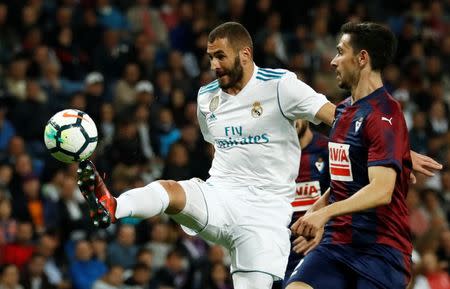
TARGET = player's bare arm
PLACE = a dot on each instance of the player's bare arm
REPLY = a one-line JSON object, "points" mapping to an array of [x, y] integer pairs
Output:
{"points": [[322, 202], [377, 193], [326, 113]]}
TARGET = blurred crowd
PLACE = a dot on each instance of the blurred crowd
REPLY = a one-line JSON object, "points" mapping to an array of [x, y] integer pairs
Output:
{"points": [[135, 67]]}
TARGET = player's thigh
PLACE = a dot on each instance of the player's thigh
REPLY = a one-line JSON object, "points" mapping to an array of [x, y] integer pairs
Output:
{"points": [[203, 213], [293, 261], [320, 270], [383, 266], [364, 283], [252, 280], [255, 248]]}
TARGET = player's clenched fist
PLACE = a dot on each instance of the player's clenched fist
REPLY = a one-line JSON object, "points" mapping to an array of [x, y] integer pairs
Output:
{"points": [[302, 245], [308, 225]]}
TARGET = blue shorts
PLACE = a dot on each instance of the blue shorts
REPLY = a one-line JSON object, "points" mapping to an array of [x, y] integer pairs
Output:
{"points": [[294, 258], [345, 266], [293, 261]]}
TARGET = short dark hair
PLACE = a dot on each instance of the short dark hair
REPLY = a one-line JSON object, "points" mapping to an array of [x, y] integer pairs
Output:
{"points": [[378, 40], [234, 32]]}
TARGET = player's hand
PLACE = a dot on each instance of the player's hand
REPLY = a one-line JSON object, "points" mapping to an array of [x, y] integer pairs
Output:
{"points": [[296, 224], [412, 178], [424, 165], [309, 225], [301, 245]]}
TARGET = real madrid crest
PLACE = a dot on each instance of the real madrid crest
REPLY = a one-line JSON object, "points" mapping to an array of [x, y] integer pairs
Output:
{"points": [[257, 109], [214, 103]]}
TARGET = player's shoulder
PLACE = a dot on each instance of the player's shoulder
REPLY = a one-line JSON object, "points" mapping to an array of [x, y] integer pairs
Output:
{"points": [[209, 88], [385, 103], [386, 110], [267, 74], [208, 91]]}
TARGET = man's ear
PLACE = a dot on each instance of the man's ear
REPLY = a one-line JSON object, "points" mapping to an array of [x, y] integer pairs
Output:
{"points": [[363, 58], [245, 55]]}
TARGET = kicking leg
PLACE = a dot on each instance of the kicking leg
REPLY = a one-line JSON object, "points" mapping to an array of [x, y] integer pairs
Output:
{"points": [[252, 280], [153, 199], [145, 202]]}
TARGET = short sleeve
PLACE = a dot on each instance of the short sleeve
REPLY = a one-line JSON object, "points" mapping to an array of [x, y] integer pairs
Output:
{"points": [[298, 100], [204, 126], [385, 136]]}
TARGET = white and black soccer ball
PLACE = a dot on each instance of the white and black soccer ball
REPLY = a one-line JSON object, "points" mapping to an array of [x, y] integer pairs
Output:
{"points": [[70, 135]]}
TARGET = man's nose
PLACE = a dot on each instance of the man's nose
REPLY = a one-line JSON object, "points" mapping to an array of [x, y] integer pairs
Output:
{"points": [[214, 64], [333, 62]]}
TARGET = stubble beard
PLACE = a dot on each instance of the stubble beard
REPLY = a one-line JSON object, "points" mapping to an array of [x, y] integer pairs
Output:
{"points": [[235, 75]]}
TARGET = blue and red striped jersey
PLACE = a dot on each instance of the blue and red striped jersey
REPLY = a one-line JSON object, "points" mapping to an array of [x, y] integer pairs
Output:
{"points": [[313, 177], [370, 132]]}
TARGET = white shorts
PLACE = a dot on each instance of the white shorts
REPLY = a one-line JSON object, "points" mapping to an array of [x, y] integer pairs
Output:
{"points": [[251, 223]]}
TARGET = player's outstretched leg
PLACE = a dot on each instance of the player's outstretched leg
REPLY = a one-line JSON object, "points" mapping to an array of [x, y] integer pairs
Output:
{"points": [[153, 199], [102, 205], [252, 280]]}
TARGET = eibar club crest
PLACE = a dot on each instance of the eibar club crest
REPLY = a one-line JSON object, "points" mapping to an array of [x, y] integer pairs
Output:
{"points": [[358, 124], [257, 109], [214, 103], [319, 165]]}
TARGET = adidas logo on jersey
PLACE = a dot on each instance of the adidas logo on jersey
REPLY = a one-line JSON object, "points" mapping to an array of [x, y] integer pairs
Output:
{"points": [[212, 117]]}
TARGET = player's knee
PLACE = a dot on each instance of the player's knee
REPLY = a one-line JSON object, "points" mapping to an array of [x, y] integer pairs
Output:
{"points": [[252, 280], [169, 185], [298, 285], [177, 196]]}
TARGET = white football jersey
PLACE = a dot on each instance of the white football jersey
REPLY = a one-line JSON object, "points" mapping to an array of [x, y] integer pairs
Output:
{"points": [[254, 133]]}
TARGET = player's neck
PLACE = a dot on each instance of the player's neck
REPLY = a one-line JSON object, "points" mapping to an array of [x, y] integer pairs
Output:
{"points": [[246, 76], [306, 139], [368, 82]]}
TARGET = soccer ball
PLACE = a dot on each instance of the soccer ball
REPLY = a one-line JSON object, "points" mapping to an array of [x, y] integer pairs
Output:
{"points": [[70, 136]]}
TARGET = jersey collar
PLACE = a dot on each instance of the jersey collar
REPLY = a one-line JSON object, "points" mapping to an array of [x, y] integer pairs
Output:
{"points": [[377, 92]]}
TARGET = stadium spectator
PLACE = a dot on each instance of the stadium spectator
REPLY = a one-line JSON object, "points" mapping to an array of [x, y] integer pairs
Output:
{"points": [[8, 225], [125, 90], [122, 251], [173, 273], [34, 276], [113, 279], [84, 269], [20, 250], [140, 278], [9, 277], [144, 18]]}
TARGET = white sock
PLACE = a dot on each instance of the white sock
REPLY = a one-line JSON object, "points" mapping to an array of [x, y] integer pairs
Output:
{"points": [[144, 202]]}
